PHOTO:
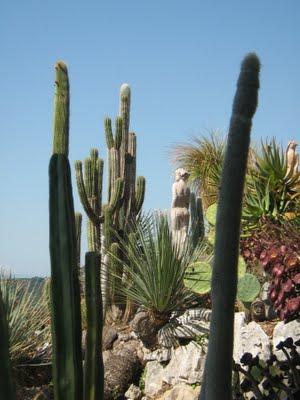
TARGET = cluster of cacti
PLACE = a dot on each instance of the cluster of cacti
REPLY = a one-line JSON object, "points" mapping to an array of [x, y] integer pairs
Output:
{"points": [[125, 192], [65, 290], [217, 375]]}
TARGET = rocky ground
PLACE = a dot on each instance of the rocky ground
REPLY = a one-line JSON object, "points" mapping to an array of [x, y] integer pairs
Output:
{"points": [[135, 372]]}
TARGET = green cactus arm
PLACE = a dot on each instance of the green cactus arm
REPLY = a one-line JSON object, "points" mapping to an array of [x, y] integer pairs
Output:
{"points": [[83, 195], [118, 134], [88, 180], [94, 159], [7, 388], [124, 113], [78, 224], [140, 193], [61, 110], [65, 296], [94, 371], [100, 166], [108, 133], [107, 226], [116, 197], [224, 279]]}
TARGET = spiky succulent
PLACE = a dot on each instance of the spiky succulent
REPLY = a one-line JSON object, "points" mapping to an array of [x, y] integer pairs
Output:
{"points": [[277, 248]]}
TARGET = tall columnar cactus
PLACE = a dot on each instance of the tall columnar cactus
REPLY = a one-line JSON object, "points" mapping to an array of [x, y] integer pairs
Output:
{"points": [[217, 375], [197, 219], [7, 390], [94, 373], [65, 296]]}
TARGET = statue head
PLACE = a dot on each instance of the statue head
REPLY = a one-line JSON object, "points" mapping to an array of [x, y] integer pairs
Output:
{"points": [[292, 144], [181, 173]]}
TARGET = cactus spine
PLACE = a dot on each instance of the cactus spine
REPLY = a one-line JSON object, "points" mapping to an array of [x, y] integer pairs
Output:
{"points": [[94, 373], [217, 375], [65, 296], [7, 390]]}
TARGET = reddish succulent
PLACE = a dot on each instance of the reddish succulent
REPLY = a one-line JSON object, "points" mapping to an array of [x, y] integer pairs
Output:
{"points": [[276, 247]]}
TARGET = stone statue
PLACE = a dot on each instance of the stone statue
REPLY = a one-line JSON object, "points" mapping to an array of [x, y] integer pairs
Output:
{"points": [[180, 214], [292, 158]]}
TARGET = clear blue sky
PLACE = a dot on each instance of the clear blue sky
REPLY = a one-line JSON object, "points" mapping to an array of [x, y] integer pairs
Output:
{"points": [[181, 59]]}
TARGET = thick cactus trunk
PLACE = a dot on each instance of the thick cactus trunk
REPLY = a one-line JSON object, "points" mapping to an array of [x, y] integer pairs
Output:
{"points": [[94, 373], [218, 368], [65, 296]]}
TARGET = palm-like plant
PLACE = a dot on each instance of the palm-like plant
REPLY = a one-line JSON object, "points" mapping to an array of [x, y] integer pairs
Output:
{"points": [[27, 316], [203, 159], [154, 270], [272, 191]]}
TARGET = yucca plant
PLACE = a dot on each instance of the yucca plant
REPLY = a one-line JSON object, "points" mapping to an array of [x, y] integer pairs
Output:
{"points": [[27, 316], [154, 270], [203, 159], [272, 191]]}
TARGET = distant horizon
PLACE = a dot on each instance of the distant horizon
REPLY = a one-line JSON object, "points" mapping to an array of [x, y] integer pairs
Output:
{"points": [[181, 61]]}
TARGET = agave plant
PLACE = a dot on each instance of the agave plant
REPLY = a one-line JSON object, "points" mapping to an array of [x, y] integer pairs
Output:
{"points": [[154, 270], [27, 316], [203, 159], [272, 191]]}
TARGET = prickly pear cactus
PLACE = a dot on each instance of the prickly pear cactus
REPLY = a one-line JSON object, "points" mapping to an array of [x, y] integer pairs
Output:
{"points": [[248, 288], [198, 277], [242, 267], [211, 214]]}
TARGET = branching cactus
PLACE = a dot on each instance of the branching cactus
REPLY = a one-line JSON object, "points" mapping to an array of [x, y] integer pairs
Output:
{"points": [[125, 192], [90, 192], [217, 374], [134, 189]]}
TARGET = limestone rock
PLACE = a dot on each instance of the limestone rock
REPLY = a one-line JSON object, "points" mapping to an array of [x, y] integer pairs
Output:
{"points": [[282, 331], [153, 378], [160, 355], [250, 339], [182, 392], [133, 393], [186, 365]]}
